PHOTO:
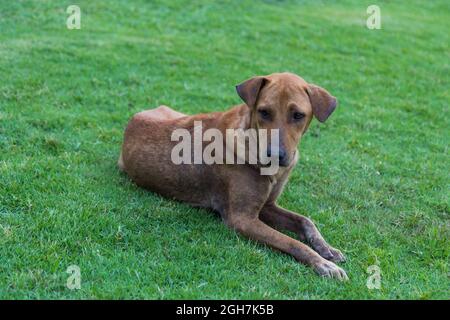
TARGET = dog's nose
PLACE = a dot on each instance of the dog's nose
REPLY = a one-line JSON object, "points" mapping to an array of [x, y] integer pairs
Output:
{"points": [[282, 156]]}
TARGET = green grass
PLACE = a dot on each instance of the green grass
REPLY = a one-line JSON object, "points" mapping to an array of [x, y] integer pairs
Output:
{"points": [[375, 177]]}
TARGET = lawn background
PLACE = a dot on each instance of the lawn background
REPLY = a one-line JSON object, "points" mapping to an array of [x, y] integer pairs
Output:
{"points": [[374, 178]]}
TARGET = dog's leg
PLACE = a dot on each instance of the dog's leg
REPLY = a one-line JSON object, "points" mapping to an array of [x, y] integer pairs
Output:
{"points": [[259, 231], [283, 219]]}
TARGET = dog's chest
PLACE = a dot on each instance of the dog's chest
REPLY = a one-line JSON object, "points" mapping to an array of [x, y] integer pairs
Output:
{"points": [[278, 181]]}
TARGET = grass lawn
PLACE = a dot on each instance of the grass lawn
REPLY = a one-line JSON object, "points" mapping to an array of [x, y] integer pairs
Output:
{"points": [[374, 178]]}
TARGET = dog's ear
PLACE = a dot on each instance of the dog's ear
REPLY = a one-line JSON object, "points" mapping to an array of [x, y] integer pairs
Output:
{"points": [[249, 90], [322, 102]]}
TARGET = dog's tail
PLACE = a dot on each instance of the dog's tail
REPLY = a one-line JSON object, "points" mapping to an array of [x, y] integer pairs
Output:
{"points": [[120, 163]]}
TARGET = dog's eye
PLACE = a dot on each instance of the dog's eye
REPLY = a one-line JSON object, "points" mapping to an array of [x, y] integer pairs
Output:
{"points": [[264, 114], [298, 115]]}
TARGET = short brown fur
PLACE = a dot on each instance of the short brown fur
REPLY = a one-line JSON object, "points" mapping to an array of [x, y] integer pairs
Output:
{"points": [[245, 199]]}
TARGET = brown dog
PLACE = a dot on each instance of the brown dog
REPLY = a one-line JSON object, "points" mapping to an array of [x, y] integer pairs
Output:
{"points": [[245, 199]]}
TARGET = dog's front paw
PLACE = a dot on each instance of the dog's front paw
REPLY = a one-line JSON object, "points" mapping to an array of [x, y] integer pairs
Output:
{"points": [[328, 269], [337, 255], [329, 253]]}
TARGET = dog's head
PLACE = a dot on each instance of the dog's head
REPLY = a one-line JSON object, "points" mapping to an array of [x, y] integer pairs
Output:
{"points": [[286, 102]]}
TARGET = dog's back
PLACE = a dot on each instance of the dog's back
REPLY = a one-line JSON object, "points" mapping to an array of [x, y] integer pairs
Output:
{"points": [[146, 157], [158, 114]]}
